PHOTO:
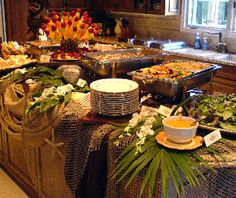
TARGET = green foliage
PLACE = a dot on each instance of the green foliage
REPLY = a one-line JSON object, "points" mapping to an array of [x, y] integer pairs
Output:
{"points": [[48, 78], [219, 111], [157, 160]]}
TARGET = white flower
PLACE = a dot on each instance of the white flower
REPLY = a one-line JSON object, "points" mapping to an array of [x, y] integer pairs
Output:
{"points": [[150, 120], [63, 90], [135, 115], [48, 91], [133, 122], [141, 133], [22, 71]]}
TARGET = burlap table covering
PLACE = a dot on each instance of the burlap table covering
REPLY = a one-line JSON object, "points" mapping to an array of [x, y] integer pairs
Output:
{"points": [[64, 141], [71, 141], [216, 185]]}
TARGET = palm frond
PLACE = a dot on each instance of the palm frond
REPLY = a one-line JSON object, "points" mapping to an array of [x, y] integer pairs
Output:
{"points": [[154, 166], [147, 158]]}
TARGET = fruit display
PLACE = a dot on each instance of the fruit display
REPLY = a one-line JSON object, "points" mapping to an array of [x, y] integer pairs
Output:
{"points": [[15, 61], [73, 25]]}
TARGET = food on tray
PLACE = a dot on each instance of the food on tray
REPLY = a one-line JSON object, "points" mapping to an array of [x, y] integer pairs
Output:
{"points": [[161, 71], [40, 43], [62, 55], [104, 47], [109, 57], [215, 111], [175, 70], [188, 65], [14, 61], [12, 48]]}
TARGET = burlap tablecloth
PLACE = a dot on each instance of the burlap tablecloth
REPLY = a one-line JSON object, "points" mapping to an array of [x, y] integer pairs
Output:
{"points": [[219, 184], [72, 141]]}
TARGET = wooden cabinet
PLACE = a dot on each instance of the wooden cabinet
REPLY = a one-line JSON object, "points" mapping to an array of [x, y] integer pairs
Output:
{"points": [[21, 168], [68, 4], [162, 7], [16, 153], [76, 3], [96, 4], [16, 13], [119, 5], [52, 4], [1, 146]]}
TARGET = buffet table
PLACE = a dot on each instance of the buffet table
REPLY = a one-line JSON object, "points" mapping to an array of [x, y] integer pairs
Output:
{"points": [[79, 157], [68, 152], [217, 184], [92, 149]]}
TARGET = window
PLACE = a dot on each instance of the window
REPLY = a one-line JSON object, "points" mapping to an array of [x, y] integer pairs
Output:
{"points": [[210, 14]]}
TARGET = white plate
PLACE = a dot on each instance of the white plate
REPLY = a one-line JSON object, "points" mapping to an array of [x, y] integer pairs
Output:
{"points": [[114, 85]]}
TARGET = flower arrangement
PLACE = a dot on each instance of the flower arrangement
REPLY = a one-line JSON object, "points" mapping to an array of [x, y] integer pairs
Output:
{"points": [[73, 25], [143, 124], [50, 97]]}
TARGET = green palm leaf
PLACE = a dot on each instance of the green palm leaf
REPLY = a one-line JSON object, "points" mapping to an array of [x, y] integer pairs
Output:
{"points": [[155, 158], [154, 166], [146, 159], [130, 157]]}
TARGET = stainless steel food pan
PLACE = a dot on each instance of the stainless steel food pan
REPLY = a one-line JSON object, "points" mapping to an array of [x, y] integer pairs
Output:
{"points": [[120, 66]]}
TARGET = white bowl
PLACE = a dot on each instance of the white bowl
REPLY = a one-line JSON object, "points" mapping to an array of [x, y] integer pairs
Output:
{"points": [[180, 135]]}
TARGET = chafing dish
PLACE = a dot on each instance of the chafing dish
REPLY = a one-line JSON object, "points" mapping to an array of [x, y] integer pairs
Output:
{"points": [[38, 48], [173, 88], [114, 67]]}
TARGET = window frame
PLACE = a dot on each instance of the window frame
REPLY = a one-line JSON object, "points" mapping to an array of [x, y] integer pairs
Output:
{"points": [[229, 31]]}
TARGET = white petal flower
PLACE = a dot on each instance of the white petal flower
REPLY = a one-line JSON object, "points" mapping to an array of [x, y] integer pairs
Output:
{"points": [[133, 122], [135, 115], [48, 91]]}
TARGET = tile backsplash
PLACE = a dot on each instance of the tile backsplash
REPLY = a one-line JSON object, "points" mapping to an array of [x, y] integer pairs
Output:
{"points": [[148, 26]]}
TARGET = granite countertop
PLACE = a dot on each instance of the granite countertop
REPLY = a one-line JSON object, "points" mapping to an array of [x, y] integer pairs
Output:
{"points": [[215, 60], [201, 58]]}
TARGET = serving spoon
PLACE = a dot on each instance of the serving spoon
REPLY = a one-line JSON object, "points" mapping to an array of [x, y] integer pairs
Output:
{"points": [[197, 120]]}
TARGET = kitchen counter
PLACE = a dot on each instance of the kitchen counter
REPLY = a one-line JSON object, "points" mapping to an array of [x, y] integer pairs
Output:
{"points": [[214, 57], [200, 55], [224, 80]]}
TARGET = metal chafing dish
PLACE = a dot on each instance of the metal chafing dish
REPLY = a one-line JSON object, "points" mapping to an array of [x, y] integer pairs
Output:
{"points": [[120, 66], [38, 48], [173, 88]]}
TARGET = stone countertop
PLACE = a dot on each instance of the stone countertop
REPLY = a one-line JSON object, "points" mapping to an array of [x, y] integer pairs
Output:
{"points": [[114, 40], [201, 58]]}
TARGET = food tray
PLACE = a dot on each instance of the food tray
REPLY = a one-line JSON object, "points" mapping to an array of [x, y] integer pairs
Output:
{"points": [[173, 88], [120, 66], [38, 48], [13, 67]]}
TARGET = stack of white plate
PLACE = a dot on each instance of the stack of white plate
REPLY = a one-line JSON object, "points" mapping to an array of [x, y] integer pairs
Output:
{"points": [[114, 96]]}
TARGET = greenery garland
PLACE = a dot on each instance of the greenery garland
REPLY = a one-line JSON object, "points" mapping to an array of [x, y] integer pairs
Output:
{"points": [[55, 90]]}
